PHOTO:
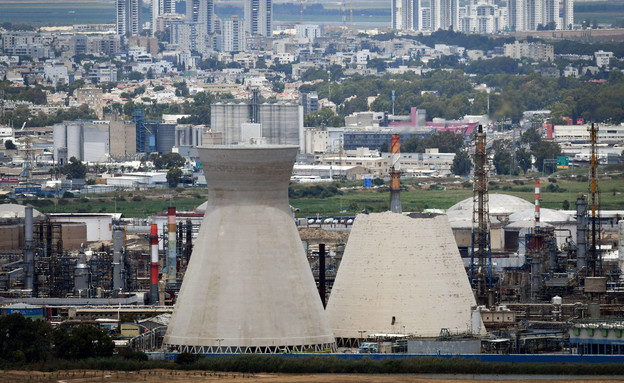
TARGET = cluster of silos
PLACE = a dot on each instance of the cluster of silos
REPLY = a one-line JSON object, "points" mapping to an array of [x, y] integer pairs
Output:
{"points": [[282, 124], [68, 141], [86, 141], [248, 287]]}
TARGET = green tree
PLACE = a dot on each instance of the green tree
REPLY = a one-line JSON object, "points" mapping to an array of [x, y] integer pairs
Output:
{"points": [[461, 164], [135, 76], [502, 162], [174, 174], [531, 136], [81, 342], [545, 150], [75, 169], [325, 117], [24, 340], [523, 159], [167, 161], [182, 89]]}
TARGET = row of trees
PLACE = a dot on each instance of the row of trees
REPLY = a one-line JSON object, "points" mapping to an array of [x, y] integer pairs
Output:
{"points": [[23, 340], [452, 94], [22, 114]]}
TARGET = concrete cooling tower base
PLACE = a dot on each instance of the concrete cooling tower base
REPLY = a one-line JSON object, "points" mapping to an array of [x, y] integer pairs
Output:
{"points": [[248, 287], [400, 276]]}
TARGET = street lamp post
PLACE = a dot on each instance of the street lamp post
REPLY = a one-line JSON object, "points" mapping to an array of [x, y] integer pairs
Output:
{"points": [[219, 340], [362, 332]]}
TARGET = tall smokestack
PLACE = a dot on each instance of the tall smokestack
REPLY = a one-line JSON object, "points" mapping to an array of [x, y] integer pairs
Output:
{"points": [[321, 278], [154, 268], [395, 175], [172, 248], [29, 255], [537, 205], [581, 231], [119, 280]]}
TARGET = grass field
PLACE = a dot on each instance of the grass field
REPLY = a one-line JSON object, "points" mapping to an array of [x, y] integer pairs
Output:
{"points": [[414, 198], [612, 197]]}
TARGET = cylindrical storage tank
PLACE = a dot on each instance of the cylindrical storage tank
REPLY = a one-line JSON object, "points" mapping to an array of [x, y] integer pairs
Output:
{"points": [[59, 133], [165, 138], [75, 140], [556, 300], [248, 287]]}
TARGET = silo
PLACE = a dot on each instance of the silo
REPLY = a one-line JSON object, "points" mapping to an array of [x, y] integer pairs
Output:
{"points": [[165, 138], [59, 132], [96, 141], [282, 123], [227, 118], [248, 287], [75, 140]]}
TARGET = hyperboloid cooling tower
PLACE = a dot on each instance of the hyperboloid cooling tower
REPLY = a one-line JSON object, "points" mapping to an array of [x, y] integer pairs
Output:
{"points": [[400, 275], [248, 287]]}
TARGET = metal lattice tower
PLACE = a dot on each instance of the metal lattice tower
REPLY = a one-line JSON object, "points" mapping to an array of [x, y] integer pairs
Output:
{"points": [[481, 255], [594, 263]]}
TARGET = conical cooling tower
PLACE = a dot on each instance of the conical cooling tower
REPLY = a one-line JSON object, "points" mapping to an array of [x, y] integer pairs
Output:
{"points": [[399, 275], [248, 287]]}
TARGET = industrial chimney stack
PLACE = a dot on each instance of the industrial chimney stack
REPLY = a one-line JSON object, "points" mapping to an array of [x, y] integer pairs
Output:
{"points": [[395, 175], [29, 255]]}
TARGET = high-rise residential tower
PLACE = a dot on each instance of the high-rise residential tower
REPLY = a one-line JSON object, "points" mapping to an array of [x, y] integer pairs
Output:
{"points": [[405, 14], [444, 14], [233, 35], [531, 15], [160, 7], [202, 11], [259, 17], [128, 17]]}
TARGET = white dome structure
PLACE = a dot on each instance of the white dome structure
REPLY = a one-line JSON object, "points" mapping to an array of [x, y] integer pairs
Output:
{"points": [[15, 211], [500, 206], [546, 216]]}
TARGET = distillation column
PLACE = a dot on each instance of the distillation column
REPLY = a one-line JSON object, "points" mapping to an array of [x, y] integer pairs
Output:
{"points": [[29, 253]]}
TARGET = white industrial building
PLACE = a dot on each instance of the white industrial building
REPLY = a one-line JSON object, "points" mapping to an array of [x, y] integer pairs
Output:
{"points": [[87, 141], [613, 134], [99, 225]]}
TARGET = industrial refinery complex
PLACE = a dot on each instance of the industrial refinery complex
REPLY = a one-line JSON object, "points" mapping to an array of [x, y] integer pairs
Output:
{"points": [[241, 274]]}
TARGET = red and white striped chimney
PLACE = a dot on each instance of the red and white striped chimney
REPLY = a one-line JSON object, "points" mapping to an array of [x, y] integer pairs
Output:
{"points": [[537, 204], [154, 265]]}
